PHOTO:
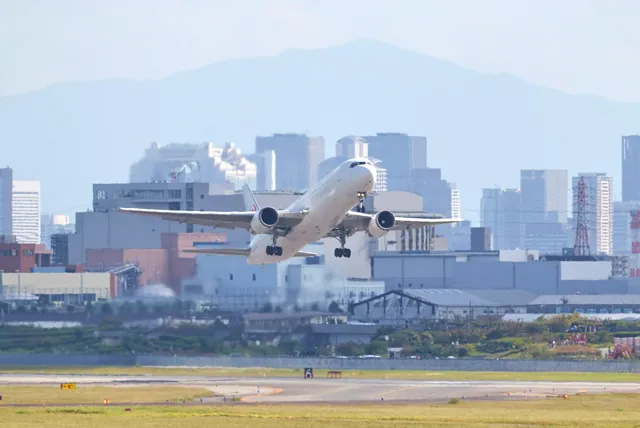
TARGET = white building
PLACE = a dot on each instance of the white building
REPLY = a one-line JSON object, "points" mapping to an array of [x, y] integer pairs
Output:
{"points": [[455, 202], [195, 163], [599, 210], [26, 211]]}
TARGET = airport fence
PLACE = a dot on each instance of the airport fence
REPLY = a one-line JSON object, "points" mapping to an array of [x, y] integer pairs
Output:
{"points": [[60, 360]]}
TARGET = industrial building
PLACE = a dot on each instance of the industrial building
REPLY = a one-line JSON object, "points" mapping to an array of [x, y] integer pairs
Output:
{"points": [[167, 265], [16, 257], [51, 288], [504, 270], [231, 284], [415, 306], [585, 304]]}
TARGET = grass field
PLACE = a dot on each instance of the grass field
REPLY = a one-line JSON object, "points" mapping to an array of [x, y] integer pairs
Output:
{"points": [[85, 394], [617, 411], [353, 374]]}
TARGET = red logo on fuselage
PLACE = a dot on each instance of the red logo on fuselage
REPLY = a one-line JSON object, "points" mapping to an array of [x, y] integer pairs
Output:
{"points": [[254, 208]]}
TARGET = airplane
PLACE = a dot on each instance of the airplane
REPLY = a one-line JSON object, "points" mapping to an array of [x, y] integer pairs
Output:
{"points": [[325, 210]]}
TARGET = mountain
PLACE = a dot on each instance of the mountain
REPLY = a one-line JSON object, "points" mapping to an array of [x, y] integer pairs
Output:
{"points": [[482, 128]]}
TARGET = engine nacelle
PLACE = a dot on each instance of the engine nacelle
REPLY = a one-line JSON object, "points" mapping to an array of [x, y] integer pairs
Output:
{"points": [[264, 220], [381, 223]]}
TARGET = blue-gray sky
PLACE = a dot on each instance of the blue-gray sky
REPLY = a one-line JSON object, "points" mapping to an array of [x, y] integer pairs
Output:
{"points": [[578, 46]]}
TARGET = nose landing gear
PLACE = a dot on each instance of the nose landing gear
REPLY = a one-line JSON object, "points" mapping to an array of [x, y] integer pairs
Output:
{"points": [[362, 196]]}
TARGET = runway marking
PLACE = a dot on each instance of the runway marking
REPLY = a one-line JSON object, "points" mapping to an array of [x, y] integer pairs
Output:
{"points": [[262, 394], [394, 391]]}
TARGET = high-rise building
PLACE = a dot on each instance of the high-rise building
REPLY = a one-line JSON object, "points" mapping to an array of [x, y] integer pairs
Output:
{"points": [[400, 154], [352, 147], [54, 224], [435, 191], [511, 228], [6, 204], [599, 210], [631, 168], [297, 159], [266, 170], [500, 212], [202, 163], [490, 214], [622, 232], [26, 211], [456, 210], [545, 195]]}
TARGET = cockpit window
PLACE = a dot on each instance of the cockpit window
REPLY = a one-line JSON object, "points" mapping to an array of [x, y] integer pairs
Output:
{"points": [[354, 164]]}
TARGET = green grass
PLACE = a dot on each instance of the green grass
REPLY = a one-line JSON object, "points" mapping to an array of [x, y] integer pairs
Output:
{"points": [[604, 411], [361, 374], [87, 394]]}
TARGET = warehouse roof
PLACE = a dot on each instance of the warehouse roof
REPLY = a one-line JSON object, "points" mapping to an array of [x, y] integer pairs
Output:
{"points": [[587, 299]]}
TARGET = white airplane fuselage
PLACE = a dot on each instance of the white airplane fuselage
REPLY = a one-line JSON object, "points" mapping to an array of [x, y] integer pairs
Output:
{"points": [[327, 203]]}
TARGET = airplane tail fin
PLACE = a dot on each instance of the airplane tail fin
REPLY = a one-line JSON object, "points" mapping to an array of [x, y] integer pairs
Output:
{"points": [[250, 203]]}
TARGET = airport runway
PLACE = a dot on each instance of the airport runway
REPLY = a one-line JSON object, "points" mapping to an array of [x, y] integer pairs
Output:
{"points": [[319, 390]]}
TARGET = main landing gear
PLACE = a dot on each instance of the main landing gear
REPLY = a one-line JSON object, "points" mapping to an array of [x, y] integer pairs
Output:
{"points": [[342, 251], [274, 250]]}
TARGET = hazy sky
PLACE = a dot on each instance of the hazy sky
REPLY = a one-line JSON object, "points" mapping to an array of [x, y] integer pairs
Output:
{"points": [[579, 46]]}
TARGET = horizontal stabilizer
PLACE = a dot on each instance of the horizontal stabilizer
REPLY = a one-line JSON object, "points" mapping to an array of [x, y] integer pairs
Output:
{"points": [[237, 252]]}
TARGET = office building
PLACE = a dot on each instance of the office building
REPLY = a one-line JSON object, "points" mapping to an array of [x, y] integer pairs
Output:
{"points": [[456, 209], [352, 147], [54, 224], [500, 211], [297, 159], [6, 201], [490, 214], [631, 168], [400, 154], [622, 231], [599, 209], [545, 195], [204, 163], [26, 211], [266, 170]]}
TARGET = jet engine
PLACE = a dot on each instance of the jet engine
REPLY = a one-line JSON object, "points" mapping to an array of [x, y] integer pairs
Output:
{"points": [[381, 223], [264, 220]]}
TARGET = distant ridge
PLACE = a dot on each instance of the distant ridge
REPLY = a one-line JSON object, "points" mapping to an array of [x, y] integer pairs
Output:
{"points": [[482, 127]]}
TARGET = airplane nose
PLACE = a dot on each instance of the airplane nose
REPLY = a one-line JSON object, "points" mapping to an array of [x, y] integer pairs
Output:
{"points": [[370, 176]]}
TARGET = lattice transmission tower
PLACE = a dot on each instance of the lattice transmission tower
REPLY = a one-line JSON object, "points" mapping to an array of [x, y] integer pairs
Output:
{"points": [[581, 214]]}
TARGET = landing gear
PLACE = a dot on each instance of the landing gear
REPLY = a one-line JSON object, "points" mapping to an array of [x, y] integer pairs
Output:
{"points": [[342, 251], [273, 249]]}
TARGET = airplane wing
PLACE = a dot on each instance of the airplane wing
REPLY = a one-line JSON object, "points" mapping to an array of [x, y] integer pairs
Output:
{"points": [[237, 252], [221, 219], [356, 222]]}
